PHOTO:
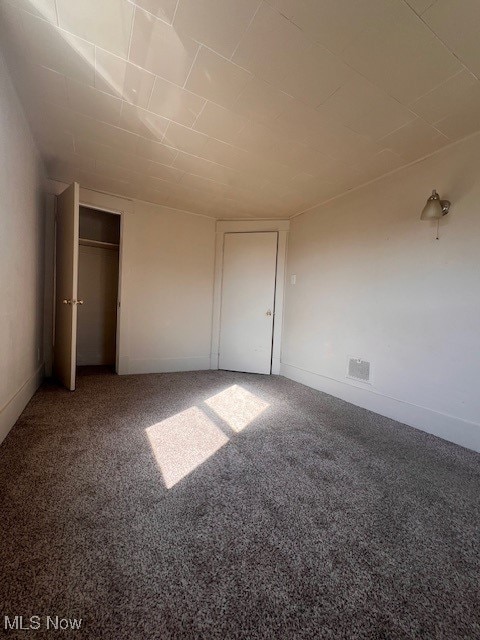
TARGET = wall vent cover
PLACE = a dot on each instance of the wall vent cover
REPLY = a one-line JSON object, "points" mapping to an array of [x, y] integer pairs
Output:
{"points": [[358, 369]]}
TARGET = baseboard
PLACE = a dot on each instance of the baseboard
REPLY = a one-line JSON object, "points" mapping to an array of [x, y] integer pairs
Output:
{"points": [[168, 365], [12, 410], [462, 432]]}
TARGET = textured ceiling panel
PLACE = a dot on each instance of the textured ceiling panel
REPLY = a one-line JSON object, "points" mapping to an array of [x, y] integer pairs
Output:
{"points": [[242, 109]]}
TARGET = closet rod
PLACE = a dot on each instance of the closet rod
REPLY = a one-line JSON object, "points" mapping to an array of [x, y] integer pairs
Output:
{"points": [[97, 243]]}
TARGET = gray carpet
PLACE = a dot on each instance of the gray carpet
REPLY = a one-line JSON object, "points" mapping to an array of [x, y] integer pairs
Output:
{"points": [[213, 505]]}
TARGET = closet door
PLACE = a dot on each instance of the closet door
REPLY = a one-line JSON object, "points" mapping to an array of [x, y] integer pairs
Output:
{"points": [[66, 283], [248, 299]]}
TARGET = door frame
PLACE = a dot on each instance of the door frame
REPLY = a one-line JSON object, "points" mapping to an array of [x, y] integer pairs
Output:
{"points": [[117, 212], [250, 226]]}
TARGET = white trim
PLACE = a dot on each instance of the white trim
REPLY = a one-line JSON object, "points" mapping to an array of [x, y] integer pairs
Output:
{"points": [[217, 298], [239, 226], [12, 410], [119, 296], [279, 300], [250, 226], [457, 430], [167, 365]]}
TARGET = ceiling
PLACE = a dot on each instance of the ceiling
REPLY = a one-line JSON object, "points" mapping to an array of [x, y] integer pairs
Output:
{"points": [[241, 108]]}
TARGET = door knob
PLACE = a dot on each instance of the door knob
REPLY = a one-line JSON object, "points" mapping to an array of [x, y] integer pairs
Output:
{"points": [[78, 301], [67, 301], [269, 313]]}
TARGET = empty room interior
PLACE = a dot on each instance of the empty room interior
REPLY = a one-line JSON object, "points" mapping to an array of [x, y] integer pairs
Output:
{"points": [[240, 319]]}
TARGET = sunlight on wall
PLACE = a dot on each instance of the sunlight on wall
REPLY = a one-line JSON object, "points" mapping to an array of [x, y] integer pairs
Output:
{"points": [[183, 442], [237, 406]]}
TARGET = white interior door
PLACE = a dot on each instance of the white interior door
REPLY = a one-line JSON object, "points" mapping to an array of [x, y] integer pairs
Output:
{"points": [[66, 284], [248, 301]]}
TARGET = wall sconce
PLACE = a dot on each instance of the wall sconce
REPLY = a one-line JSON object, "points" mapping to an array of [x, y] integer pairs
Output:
{"points": [[435, 209]]}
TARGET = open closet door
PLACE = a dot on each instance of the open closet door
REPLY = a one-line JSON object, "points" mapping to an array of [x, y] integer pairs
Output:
{"points": [[66, 283]]}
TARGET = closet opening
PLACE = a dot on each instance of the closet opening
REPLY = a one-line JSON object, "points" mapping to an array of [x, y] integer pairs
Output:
{"points": [[98, 287]]}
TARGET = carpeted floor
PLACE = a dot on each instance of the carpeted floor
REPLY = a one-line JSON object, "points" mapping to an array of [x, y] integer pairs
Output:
{"points": [[215, 505]]}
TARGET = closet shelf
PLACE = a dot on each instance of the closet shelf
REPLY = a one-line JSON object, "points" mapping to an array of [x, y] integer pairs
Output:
{"points": [[97, 243]]}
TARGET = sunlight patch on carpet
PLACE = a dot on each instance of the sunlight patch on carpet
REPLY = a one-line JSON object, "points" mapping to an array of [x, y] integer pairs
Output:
{"points": [[183, 442], [237, 406]]}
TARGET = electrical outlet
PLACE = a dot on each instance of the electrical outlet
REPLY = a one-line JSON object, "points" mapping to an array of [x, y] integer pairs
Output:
{"points": [[293, 279]]}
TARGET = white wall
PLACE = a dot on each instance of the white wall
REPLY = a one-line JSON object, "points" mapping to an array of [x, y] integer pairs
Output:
{"points": [[373, 282], [167, 290], [166, 284], [22, 207]]}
